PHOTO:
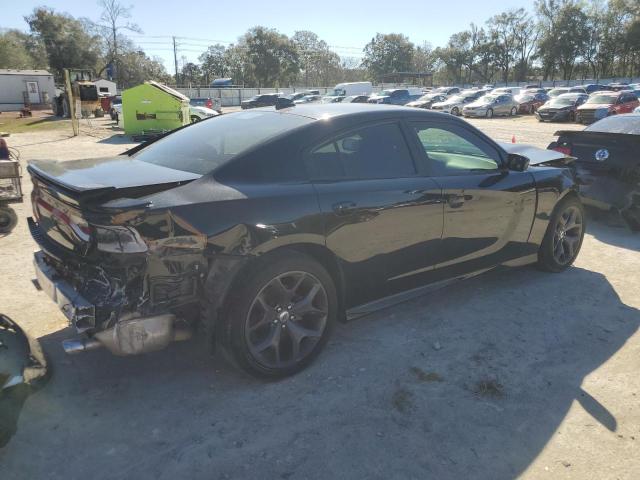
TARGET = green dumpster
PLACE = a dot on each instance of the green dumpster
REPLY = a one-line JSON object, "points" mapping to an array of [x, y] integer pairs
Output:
{"points": [[153, 108]]}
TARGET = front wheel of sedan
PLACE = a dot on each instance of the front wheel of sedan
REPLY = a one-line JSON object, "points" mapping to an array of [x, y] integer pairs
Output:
{"points": [[489, 113], [513, 112], [281, 316], [564, 236]]}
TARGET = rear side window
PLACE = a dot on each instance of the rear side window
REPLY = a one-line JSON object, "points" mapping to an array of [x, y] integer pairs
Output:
{"points": [[377, 151], [205, 146]]}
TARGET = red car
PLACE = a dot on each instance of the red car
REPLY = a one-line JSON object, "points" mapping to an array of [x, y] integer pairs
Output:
{"points": [[602, 104], [529, 101]]}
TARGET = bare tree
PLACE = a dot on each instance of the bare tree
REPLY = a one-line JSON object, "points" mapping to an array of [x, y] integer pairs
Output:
{"points": [[112, 21]]}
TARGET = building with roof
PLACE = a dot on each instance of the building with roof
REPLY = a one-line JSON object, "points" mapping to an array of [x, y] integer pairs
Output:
{"points": [[106, 87], [26, 87]]}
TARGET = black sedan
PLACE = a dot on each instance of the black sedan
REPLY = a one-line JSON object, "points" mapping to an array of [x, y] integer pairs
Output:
{"points": [[607, 164], [264, 100], [561, 108], [264, 228]]}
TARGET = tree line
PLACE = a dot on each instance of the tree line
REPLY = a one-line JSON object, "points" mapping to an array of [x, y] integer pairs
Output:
{"points": [[559, 39]]}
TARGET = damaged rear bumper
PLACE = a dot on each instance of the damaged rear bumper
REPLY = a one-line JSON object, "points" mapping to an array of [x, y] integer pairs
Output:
{"points": [[79, 311]]}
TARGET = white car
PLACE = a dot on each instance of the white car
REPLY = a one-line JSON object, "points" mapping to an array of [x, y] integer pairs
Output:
{"points": [[197, 113]]}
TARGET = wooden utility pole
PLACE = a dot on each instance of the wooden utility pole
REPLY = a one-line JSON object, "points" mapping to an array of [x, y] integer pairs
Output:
{"points": [[72, 103], [175, 58]]}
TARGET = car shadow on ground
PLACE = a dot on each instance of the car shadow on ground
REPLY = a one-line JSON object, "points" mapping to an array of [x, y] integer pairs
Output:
{"points": [[118, 138], [468, 382], [617, 234]]}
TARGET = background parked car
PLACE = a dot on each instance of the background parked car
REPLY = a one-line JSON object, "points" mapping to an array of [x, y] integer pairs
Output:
{"points": [[554, 92], [455, 103], [561, 108], [530, 102], [448, 91], [356, 99], [602, 104], [206, 102], [396, 96], [594, 87], [490, 105], [510, 90], [308, 99], [197, 113], [426, 101], [263, 100], [113, 112]]}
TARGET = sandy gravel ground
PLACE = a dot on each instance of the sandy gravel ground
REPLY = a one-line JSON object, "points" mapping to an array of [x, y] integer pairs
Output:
{"points": [[518, 374]]}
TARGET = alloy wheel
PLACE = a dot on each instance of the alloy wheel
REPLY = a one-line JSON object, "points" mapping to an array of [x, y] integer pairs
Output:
{"points": [[286, 319], [567, 235]]}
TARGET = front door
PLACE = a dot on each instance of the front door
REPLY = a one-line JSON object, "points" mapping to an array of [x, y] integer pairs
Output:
{"points": [[33, 92], [382, 219], [488, 210]]}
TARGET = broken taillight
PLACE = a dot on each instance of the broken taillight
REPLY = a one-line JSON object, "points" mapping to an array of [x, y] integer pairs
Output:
{"points": [[79, 226], [117, 239]]}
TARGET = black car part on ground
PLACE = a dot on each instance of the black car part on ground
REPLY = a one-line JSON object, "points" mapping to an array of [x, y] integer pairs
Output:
{"points": [[23, 368], [607, 165], [129, 245]]}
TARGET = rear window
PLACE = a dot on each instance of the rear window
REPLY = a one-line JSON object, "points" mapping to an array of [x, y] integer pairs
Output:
{"points": [[205, 146], [629, 124]]}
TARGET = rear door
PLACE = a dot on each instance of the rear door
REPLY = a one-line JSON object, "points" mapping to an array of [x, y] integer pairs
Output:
{"points": [[488, 210], [383, 218]]}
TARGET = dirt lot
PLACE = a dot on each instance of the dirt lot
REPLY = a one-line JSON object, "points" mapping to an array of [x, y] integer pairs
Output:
{"points": [[519, 374]]}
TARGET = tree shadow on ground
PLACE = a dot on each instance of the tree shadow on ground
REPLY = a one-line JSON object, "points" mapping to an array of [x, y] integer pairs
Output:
{"points": [[503, 358]]}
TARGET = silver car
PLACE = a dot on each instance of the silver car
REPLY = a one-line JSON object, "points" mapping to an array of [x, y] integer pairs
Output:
{"points": [[490, 105], [456, 103]]}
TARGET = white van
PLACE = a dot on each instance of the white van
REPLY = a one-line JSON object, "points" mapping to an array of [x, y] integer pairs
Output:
{"points": [[351, 88]]}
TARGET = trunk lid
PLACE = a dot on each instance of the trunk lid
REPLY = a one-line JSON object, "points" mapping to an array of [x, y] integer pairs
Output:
{"points": [[67, 195], [602, 151]]}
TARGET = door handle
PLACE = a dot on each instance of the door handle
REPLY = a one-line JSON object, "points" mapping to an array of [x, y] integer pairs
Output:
{"points": [[344, 208], [455, 201]]}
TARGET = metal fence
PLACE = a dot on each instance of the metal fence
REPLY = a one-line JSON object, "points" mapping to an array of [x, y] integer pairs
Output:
{"points": [[230, 97]]}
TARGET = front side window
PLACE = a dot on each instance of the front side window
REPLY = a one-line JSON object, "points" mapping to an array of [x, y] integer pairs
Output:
{"points": [[449, 153], [377, 151]]}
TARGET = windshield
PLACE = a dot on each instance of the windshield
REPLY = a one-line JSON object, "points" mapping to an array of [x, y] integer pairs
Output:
{"points": [[557, 91], [457, 98], [562, 101], [524, 98], [602, 99], [488, 98], [629, 124], [338, 92], [205, 146]]}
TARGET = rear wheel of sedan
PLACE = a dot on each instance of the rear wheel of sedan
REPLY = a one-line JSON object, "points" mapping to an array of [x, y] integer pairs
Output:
{"points": [[489, 113], [281, 315], [564, 236], [513, 112]]}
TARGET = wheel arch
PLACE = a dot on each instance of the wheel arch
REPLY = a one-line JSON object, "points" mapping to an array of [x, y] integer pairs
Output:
{"points": [[227, 271]]}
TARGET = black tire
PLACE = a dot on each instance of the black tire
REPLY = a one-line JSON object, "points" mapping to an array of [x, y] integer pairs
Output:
{"points": [[547, 253], [236, 332], [8, 220], [513, 112], [195, 119], [455, 111], [489, 113]]}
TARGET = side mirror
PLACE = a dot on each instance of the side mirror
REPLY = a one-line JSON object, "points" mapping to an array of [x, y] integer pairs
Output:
{"points": [[517, 163]]}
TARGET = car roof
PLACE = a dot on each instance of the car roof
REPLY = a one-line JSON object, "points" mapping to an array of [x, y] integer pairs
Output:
{"points": [[321, 111]]}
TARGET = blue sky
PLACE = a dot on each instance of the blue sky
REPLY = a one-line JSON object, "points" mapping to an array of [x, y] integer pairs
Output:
{"points": [[346, 25]]}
